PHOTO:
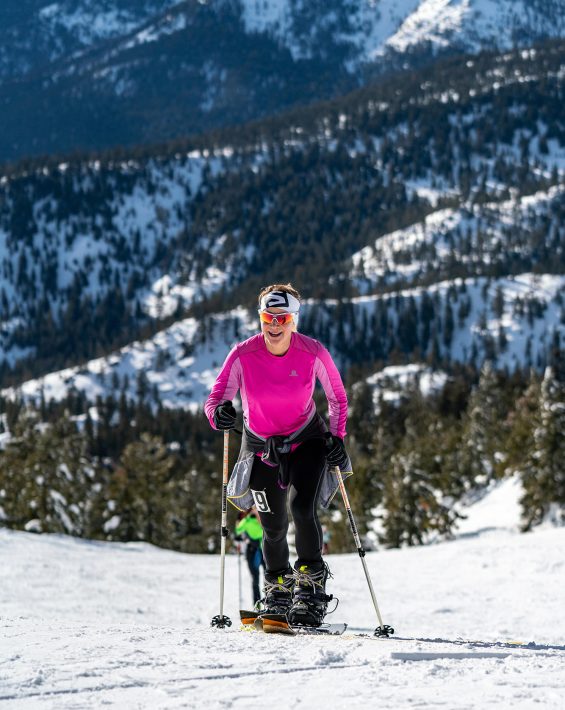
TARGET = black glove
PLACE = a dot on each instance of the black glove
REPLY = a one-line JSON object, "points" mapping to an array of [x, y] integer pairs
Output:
{"points": [[336, 454], [224, 416]]}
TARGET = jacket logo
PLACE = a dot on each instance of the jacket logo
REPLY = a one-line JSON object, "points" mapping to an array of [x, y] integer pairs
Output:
{"points": [[293, 374]]}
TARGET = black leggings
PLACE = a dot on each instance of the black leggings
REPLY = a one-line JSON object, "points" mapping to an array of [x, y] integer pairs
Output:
{"points": [[306, 465]]}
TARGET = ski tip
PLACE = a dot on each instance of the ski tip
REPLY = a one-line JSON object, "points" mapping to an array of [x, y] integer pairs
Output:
{"points": [[276, 623], [247, 617], [270, 628]]}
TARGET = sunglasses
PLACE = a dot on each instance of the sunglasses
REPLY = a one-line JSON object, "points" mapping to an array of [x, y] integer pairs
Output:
{"points": [[280, 318]]}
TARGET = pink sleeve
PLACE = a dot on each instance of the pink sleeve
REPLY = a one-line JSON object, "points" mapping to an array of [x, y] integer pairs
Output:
{"points": [[226, 385], [326, 371]]}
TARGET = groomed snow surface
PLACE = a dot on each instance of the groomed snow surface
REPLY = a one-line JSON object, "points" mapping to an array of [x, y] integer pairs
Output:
{"points": [[92, 625]]}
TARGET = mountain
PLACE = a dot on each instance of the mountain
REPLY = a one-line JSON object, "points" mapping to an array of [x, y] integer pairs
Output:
{"points": [[128, 72], [455, 177], [514, 322]]}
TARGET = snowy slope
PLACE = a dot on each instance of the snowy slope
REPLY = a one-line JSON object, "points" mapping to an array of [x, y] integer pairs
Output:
{"points": [[471, 236], [182, 361], [87, 624], [212, 63], [375, 26], [53, 30], [176, 361], [48, 31], [477, 24], [117, 238]]}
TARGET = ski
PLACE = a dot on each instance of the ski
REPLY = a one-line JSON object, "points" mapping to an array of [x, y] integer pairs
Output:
{"points": [[278, 624], [248, 617]]}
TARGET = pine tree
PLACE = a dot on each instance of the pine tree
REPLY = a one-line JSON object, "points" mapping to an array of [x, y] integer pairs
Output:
{"points": [[46, 476], [140, 492], [522, 422], [544, 472], [415, 504], [482, 431]]}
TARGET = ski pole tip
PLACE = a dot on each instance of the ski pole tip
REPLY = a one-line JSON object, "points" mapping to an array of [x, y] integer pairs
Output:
{"points": [[384, 631], [220, 621]]}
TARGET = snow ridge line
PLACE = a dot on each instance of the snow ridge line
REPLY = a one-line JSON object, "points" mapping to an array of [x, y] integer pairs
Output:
{"points": [[146, 684]]}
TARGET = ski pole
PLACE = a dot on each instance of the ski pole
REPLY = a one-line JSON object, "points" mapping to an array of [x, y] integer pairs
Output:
{"points": [[382, 629], [239, 574], [220, 620]]}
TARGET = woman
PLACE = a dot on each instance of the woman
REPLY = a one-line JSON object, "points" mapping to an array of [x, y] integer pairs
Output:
{"points": [[286, 448]]}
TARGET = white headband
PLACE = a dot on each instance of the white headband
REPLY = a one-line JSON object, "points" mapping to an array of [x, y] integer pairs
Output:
{"points": [[280, 299]]}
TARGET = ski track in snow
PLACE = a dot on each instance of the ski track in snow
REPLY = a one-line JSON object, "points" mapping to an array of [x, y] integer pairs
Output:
{"points": [[90, 624]]}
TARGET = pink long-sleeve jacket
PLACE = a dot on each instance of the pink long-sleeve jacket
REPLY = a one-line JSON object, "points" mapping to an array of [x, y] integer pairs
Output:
{"points": [[276, 391]]}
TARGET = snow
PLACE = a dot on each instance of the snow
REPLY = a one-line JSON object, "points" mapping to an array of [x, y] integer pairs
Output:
{"points": [[433, 19], [265, 16], [498, 507], [443, 229], [168, 25], [375, 26], [91, 24], [476, 24], [391, 382], [91, 624], [151, 214]]}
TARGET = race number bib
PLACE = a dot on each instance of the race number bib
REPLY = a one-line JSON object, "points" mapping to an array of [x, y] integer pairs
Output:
{"points": [[261, 502]]}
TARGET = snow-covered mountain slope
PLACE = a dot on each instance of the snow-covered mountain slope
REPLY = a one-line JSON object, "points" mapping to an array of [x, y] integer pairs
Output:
{"points": [[126, 72], [53, 30], [428, 190], [103, 233], [180, 364], [374, 26], [470, 237], [392, 382], [513, 321], [111, 227], [42, 31], [87, 624], [477, 24], [474, 176]]}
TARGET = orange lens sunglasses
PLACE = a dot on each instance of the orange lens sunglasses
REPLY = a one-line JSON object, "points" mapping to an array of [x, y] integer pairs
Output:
{"points": [[280, 318]]}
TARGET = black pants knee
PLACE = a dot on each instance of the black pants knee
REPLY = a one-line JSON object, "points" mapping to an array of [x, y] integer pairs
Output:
{"points": [[306, 465]]}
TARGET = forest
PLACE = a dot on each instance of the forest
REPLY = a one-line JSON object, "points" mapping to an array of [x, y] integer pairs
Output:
{"points": [[140, 473]]}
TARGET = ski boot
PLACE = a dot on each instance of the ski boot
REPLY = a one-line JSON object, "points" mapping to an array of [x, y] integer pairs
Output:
{"points": [[278, 592], [309, 600]]}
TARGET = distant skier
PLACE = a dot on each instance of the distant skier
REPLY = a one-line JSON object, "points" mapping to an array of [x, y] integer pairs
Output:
{"points": [[285, 449], [249, 530]]}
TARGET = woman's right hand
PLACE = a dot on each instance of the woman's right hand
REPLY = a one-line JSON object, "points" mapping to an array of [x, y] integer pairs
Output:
{"points": [[336, 454], [224, 416]]}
